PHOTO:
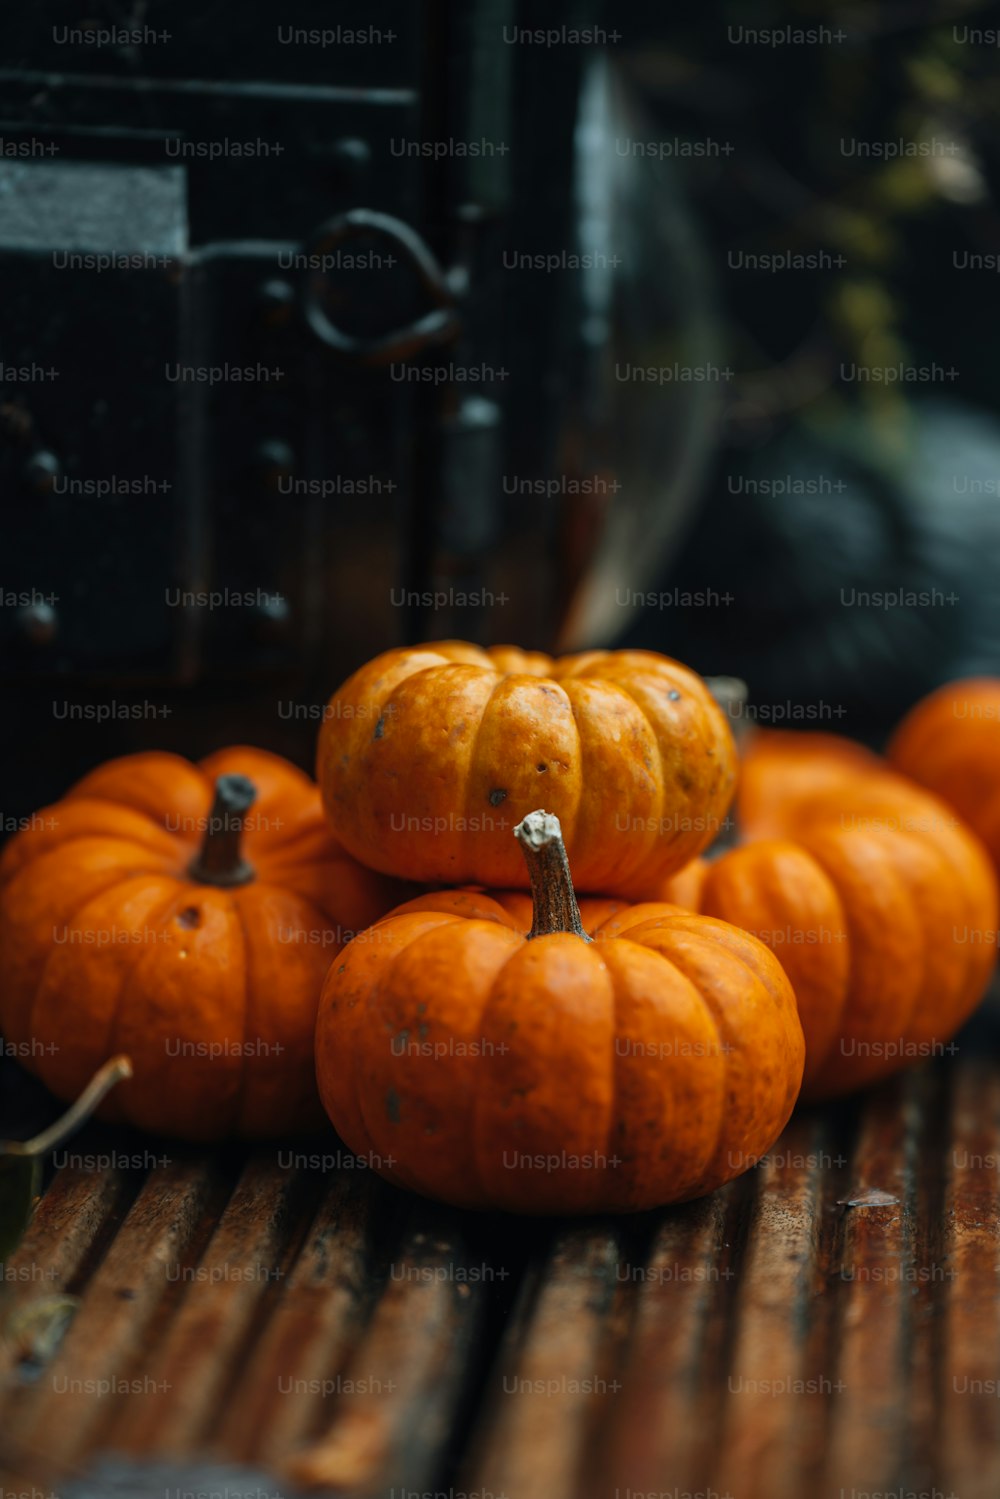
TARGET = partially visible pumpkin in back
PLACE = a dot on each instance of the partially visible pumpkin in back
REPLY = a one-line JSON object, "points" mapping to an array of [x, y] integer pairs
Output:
{"points": [[950, 743]]}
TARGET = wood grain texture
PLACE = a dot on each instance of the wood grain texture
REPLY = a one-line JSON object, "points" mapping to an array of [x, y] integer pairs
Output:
{"points": [[828, 1323]]}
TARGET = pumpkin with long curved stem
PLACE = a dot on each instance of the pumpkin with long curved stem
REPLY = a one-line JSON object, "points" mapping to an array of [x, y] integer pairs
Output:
{"points": [[550, 1056], [153, 912], [950, 743], [879, 903], [429, 756]]}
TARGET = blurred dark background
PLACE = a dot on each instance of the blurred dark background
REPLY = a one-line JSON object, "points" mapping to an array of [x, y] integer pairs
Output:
{"points": [[627, 326]]}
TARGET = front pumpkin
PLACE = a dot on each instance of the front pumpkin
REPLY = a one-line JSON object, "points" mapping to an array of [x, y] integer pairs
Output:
{"points": [[614, 1059], [152, 913], [429, 756]]}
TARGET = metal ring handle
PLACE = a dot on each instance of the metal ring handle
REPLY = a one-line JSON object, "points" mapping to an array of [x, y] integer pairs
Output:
{"points": [[440, 324]]}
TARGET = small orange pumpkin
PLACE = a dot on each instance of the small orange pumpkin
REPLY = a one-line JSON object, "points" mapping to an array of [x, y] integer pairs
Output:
{"points": [[950, 743], [783, 770], [151, 912], [879, 903], [429, 756], [559, 1069]]}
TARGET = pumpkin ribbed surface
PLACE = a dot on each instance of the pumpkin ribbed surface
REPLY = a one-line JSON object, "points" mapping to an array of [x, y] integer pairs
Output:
{"points": [[555, 1075], [429, 756], [108, 945]]}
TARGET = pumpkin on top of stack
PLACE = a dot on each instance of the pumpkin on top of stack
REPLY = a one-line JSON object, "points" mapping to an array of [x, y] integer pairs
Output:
{"points": [[429, 756]]}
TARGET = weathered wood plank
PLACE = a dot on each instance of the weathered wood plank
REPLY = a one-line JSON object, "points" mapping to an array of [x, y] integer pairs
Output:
{"points": [[830, 1321], [74, 1402], [777, 1384], [387, 1414], [870, 1364], [220, 1298], [548, 1394], [968, 1386], [673, 1289], [75, 1217], [319, 1312]]}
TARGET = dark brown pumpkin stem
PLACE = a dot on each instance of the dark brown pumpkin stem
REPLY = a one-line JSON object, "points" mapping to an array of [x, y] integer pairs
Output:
{"points": [[220, 861], [555, 907]]}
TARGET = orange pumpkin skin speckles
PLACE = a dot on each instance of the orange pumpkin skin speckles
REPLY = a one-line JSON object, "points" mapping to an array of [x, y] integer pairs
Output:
{"points": [[556, 1075], [108, 945], [950, 743], [429, 756]]}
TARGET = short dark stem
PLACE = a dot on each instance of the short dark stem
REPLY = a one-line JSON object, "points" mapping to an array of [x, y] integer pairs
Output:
{"points": [[555, 907], [220, 861]]}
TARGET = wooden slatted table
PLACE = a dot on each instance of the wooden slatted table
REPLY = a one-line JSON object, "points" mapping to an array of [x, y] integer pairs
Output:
{"points": [[251, 1323]]}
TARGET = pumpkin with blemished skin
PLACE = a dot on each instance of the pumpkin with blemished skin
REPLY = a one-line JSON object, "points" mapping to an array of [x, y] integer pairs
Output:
{"points": [[429, 755], [118, 934], [879, 903], [539, 1072], [950, 743]]}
